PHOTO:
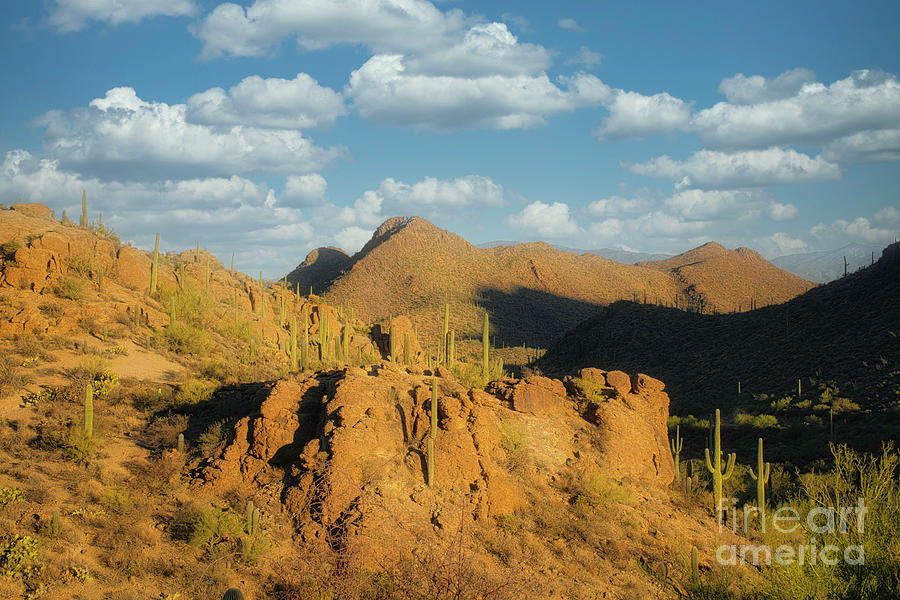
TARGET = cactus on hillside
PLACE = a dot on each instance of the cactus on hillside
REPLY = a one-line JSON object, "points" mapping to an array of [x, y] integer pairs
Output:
{"points": [[89, 411], [406, 348], [695, 566], [304, 348], [714, 465], [232, 262], [676, 445], [345, 341], [433, 432], [393, 345], [154, 268], [233, 594], [293, 343], [485, 347], [451, 352], [443, 347], [761, 476], [180, 445], [248, 516], [55, 527], [83, 221], [172, 311]]}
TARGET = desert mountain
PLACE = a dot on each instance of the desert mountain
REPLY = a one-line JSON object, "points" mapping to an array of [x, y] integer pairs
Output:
{"points": [[828, 265], [627, 257], [533, 291], [319, 268], [845, 331]]}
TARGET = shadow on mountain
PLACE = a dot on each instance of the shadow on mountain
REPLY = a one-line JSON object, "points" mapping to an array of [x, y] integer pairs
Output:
{"points": [[844, 331], [532, 317]]}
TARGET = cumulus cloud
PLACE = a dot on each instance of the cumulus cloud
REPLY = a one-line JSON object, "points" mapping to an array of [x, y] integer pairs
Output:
{"points": [[487, 49], [633, 115], [585, 57], [570, 24], [865, 147], [617, 206], [709, 169], [299, 103], [858, 229], [121, 136], [868, 100], [551, 221], [383, 25], [741, 89], [471, 190], [383, 91], [727, 204], [780, 244], [304, 190], [72, 15]]}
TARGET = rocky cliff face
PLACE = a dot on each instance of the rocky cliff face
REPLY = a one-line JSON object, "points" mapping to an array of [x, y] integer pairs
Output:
{"points": [[343, 452]]}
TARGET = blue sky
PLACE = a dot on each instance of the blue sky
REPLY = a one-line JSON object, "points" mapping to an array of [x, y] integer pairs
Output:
{"points": [[271, 127]]}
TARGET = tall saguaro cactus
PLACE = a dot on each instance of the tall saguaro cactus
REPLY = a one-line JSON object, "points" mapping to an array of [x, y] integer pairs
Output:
{"points": [[89, 411], [433, 433], [761, 476], [154, 268], [83, 221], [293, 343], [304, 348], [485, 347], [677, 444], [714, 465], [443, 347], [451, 350]]}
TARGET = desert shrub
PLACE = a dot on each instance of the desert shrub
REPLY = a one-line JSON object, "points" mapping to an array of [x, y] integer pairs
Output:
{"points": [[690, 421], [75, 445], [512, 437], [69, 288], [764, 421], [118, 501], [854, 478], [51, 310], [82, 264], [10, 495], [153, 398], [590, 388], [8, 249], [10, 378], [19, 557], [209, 440], [163, 432], [595, 491], [470, 376], [192, 304], [194, 391], [182, 338]]}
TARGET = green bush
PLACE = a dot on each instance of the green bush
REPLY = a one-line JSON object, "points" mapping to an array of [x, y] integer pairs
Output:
{"points": [[194, 391], [69, 288], [9, 495], [8, 248], [183, 338], [19, 557]]}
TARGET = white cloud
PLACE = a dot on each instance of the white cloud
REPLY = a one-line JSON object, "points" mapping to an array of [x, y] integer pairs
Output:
{"points": [[722, 204], [121, 136], [383, 25], [570, 24], [866, 101], [471, 190], [488, 49], [617, 206], [633, 115], [865, 147], [383, 91], [298, 103], [709, 169], [888, 216], [366, 210], [780, 244], [352, 239], [72, 15], [545, 220], [304, 190], [585, 57], [858, 229], [741, 89]]}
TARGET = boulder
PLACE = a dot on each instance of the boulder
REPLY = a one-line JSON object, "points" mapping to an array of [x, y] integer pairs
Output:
{"points": [[619, 381], [133, 268], [32, 209]]}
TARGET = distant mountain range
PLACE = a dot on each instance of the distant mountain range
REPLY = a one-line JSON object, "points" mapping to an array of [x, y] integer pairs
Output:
{"points": [[818, 267], [533, 292], [828, 265], [626, 257]]}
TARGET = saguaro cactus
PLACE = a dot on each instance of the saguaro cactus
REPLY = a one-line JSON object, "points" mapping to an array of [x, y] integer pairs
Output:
{"points": [[485, 347], [293, 343], [89, 411], [677, 445], [83, 221], [345, 341], [154, 268], [443, 347], [180, 445], [761, 476], [248, 516], [695, 566], [433, 433], [714, 465], [233, 594], [393, 344], [304, 348], [451, 351], [406, 348]]}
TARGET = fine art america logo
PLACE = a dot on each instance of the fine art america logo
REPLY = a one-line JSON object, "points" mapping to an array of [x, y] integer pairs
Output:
{"points": [[828, 522]]}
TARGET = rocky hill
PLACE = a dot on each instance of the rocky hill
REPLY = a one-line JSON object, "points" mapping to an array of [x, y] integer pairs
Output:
{"points": [[215, 459], [844, 331], [532, 291]]}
